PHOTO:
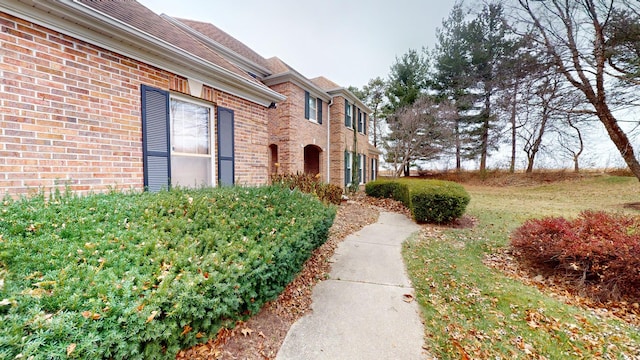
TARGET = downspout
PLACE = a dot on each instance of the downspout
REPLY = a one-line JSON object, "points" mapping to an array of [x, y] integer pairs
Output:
{"points": [[329, 140]]}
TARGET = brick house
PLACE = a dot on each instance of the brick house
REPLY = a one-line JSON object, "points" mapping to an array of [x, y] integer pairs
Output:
{"points": [[312, 130], [102, 94]]}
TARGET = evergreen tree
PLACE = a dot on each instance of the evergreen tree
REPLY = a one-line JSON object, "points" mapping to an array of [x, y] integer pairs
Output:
{"points": [[452, 69]]}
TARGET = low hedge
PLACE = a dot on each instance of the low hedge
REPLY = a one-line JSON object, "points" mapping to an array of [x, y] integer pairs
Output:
{"points": [[430, 201], [141, 276], [390, 190]]}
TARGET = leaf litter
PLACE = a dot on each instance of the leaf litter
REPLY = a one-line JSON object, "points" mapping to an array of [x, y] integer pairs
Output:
{"points": [[260, 337]]}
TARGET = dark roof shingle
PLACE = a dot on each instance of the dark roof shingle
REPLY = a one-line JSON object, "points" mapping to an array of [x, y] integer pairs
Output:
{"points": [[216, 34], [138, 16]]}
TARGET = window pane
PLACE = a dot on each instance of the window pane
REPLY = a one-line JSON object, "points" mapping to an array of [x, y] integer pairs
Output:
{"points": [[190, 171], [312, 108], [190, 128]]}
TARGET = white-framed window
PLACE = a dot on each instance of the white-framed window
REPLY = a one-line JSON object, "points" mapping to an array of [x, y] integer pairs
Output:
{"points": [[362, 122], [348, 116], [191, 142], [348, 162], [312, 108], [313, 111], [361, 168], [374, 169]]}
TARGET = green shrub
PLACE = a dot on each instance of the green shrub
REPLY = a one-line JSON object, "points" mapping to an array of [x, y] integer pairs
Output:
{"points": [[141, 276], [327, 193], [433, 201], [437, 201], [389, 189]]}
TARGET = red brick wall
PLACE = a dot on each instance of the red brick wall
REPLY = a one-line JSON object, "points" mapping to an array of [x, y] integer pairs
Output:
{"points": [[280, 128], [342, 140], [251, 139], [289, 129], [70, 114]]}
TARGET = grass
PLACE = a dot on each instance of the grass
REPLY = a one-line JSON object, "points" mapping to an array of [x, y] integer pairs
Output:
{"points": [[473, 310]]}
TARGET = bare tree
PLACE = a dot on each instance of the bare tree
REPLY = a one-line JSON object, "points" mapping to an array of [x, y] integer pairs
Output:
{"points": [[574, 32], [421, 131], [572, 144], [525, 68], [544, 110]]}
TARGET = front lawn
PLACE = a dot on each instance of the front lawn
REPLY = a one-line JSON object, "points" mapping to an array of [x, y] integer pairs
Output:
{"points": [[474, 310], [141, 276]]}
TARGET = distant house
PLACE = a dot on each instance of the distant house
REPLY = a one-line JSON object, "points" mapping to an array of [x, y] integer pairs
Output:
{"points": [[312, 130], [101, 94]]}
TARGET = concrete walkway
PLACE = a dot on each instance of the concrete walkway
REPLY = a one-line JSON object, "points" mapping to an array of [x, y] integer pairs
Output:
{"points": [[361, 312]]}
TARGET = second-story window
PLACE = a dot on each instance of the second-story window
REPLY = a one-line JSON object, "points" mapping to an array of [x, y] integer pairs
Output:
{"points": [[312, 108], [347, 114], [311, 103]]}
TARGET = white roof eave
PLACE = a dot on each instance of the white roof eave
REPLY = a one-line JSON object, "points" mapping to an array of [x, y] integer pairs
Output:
{"points": [[87, 24]]}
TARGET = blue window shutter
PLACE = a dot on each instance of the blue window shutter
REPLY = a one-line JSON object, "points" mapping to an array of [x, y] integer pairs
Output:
{"points": [[347, 121], [156, 154], [353, 113], [364, 121], [364, 169], [306, 105], [358, 158], [319, 106], [226, 147], [359, 121], [346, 168]]}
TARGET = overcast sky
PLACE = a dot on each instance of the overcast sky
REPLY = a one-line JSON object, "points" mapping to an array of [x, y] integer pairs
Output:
{"points": [[347, 41]]}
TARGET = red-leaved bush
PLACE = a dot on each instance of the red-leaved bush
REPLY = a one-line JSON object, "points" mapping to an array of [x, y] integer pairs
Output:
{"points": [[599, 250]]}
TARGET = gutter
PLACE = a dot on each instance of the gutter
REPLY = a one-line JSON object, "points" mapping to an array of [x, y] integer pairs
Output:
{"points": [[329, 104], [250, 65], [299, 80], [351, 97]]}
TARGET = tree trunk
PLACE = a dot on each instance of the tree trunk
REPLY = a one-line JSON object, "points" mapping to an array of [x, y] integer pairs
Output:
{"points": [[582, 79], [458, 145], [375, 132], [375, 126], [620, 139], [576, 154], [512, 166], [530, 159], [485, 145], [485, 129]]}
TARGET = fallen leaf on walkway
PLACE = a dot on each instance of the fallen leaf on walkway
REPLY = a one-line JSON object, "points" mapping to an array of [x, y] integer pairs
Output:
{"points": [[407, 298], [246, 331], [293, 303]]}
